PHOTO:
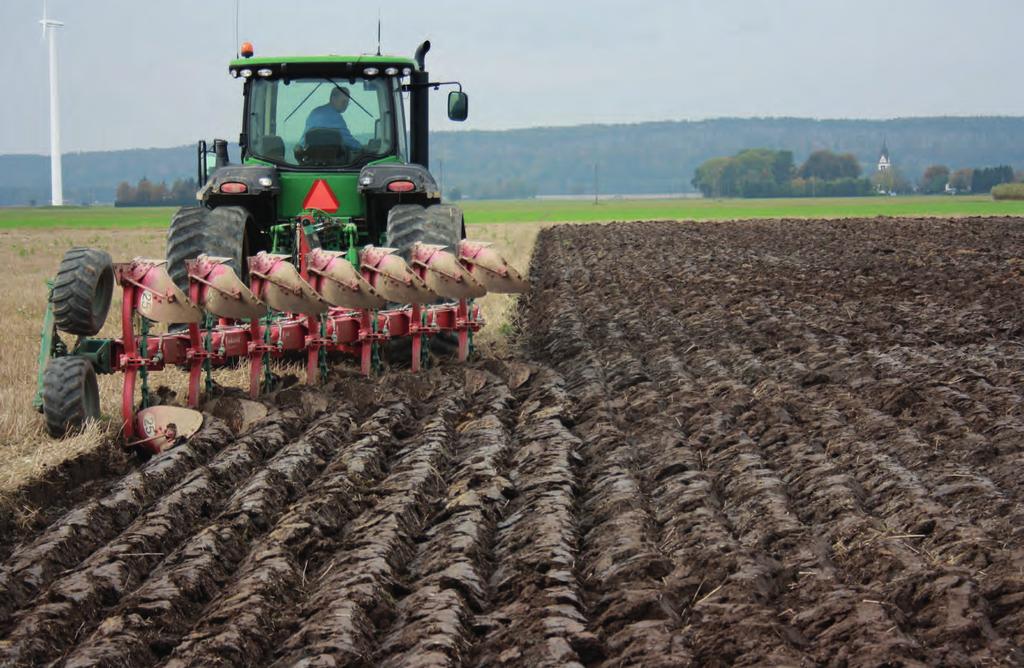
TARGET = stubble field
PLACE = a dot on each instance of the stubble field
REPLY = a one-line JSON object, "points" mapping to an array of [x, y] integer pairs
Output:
{"points": [[764, 442]]}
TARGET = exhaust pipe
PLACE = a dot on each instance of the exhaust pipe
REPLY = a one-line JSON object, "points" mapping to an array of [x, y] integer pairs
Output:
{"points": [[419, 102], [220, 152]]}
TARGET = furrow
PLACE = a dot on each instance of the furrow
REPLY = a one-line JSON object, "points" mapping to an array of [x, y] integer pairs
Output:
{"points": [[240, 625], [150, 622], [447, 579], [29, 569], [74, 603], [538, 616], [355, 592]]}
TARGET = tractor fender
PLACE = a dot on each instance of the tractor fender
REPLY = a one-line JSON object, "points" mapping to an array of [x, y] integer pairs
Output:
{"points": [[257, 179], [374, 179]]}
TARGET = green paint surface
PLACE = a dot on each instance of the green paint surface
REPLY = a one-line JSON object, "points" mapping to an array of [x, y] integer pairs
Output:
{"points": [[524, 211], [296, 185]]}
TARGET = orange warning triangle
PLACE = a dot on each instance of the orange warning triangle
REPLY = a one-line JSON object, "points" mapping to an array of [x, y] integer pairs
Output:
{"points": [[320, 196]]}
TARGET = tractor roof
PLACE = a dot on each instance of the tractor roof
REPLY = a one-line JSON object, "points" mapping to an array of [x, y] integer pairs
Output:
{"points": [[316, 64]]}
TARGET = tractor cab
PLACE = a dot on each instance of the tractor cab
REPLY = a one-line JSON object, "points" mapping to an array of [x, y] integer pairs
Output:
{"points": [[338, 119]]}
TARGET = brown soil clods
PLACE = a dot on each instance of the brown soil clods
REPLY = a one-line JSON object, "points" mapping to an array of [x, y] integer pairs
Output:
{"points": [[753, 443]]}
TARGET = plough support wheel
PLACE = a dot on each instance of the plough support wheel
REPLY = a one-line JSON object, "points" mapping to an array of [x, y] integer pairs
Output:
{"points": [[71, 395], [82, 291]]}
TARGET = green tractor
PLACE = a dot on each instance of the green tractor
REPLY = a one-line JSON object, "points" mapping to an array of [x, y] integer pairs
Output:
{"points": [[328, 236], [323, 145]]}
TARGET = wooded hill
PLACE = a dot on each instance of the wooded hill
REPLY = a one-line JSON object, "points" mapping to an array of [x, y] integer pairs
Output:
{"points": [[639, 158]]}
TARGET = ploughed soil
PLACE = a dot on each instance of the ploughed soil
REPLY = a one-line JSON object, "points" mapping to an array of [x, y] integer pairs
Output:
{"points": [[747, 443]]}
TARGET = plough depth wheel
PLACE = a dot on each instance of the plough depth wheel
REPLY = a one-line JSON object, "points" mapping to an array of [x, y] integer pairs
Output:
{"points": [[82, 291], [70, 394]]}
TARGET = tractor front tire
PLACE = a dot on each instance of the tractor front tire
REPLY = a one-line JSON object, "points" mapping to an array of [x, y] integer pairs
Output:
{"points": [[70, 394], [220, 232], [440, 224], [82, 291]]}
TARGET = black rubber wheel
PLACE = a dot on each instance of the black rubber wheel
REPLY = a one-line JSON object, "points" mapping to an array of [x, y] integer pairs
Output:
{"points": [[437, 224], [440, 224], [82, 291], [196, 231], [70, 394]]}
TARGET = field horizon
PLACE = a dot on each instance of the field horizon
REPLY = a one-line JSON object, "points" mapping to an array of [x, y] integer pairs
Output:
{"points": [[579, 211]]}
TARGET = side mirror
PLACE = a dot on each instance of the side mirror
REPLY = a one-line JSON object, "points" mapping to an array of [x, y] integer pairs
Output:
{"points": [[211, 162], [458, 105]]}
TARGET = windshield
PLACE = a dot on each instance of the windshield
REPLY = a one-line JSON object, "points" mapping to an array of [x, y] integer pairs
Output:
{"points": [[318, 122]]}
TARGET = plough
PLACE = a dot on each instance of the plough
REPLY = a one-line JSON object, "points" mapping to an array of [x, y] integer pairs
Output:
{"points": [[308, 303]]}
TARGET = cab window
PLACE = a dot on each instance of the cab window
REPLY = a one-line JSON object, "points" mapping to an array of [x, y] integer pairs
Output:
{"points": [[320, 122]]}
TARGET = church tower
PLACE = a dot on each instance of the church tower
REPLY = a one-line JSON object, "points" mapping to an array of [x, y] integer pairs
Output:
{"points": [[883, 159]]}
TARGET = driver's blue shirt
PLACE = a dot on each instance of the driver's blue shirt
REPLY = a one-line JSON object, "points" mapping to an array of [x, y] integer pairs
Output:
{"points": [[326, 116]]}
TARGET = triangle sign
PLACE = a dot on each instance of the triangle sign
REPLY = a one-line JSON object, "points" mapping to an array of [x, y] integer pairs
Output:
{"points": [[320, 196]]}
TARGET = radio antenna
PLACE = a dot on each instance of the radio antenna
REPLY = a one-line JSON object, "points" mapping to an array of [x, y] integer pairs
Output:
{"points": [[236, 27], [378, 31]]}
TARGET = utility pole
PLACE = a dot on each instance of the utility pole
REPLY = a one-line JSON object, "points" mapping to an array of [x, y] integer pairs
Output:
{"points": [[595, 183]]}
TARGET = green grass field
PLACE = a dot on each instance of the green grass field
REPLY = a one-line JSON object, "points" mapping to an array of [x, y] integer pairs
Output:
{"points": [[523, 211]]}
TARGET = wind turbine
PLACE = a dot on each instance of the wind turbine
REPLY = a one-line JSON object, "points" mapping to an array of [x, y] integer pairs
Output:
{"points": [[56, 182]]}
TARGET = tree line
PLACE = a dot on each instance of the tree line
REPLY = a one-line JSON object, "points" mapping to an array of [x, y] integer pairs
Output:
{"points": [[978, 180], [182, 192], [763, 172], [662, 157]]}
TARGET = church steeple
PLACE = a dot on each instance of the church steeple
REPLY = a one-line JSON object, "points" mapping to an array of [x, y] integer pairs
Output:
{"points": [[883, 159]]}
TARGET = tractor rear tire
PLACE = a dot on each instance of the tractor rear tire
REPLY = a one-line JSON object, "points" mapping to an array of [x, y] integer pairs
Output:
{"points": [[220, 232], [82, 291], [437, 224], [70, 394], [440, 224]]}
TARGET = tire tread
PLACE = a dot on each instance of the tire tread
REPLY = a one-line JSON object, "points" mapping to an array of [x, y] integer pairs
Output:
{"points": [[196, 231], [74, 293], [68, 383]]}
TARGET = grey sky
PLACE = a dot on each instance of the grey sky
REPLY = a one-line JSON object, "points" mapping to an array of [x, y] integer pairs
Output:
{"points": [[139, 73]]}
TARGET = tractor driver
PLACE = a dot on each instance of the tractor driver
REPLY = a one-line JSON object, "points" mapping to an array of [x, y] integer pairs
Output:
{"points": [[330, 116]]}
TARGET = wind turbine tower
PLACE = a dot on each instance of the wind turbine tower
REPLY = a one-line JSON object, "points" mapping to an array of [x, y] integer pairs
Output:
{"points": [[56, 182]]}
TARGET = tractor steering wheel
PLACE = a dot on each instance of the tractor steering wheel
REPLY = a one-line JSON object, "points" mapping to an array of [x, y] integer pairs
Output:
{"points": [[316, 156]]}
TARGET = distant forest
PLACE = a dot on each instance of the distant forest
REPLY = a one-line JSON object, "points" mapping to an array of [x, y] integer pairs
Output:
{"points": [[623, 159]]}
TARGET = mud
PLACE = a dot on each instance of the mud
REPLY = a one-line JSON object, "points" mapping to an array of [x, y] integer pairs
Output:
{"points": [[753, 443]]}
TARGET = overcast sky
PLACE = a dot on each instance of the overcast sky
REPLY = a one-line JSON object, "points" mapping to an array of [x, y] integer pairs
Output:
{"points": [[141, 73]]}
